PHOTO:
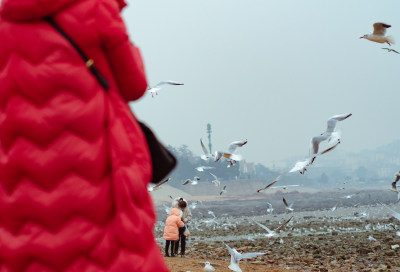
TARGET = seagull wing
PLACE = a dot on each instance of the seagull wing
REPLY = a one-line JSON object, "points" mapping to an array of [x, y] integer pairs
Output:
{"points": [[218, 155], [284, 224], [251, 255], [167, 82], [330, 148], [163, 182], [331, 124], [285, 203], [269, 185], [231, 252], [203, 147], [214, 176], [314, 146], [232, 146], [264, 227], [186, 182], [380, 29], [393, 212]]}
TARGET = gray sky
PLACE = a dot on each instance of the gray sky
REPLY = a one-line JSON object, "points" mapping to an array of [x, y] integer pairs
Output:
{"points": [[269, 71]]}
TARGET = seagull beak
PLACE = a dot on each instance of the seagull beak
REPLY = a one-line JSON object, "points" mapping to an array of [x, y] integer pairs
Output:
{"points": [[361, 37]]}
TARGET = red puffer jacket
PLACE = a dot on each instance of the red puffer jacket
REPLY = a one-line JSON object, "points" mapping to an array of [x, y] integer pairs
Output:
{"points": [[66, 202]]}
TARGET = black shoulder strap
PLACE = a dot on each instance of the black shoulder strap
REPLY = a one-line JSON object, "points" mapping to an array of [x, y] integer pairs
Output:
{"points": [[89, 62]]}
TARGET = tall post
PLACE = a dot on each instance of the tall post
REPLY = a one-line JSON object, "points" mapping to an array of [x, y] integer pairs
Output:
{"points": [[209, 137]]}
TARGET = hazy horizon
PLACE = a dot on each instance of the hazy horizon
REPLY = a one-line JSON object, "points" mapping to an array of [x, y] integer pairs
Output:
{"points": [[269, 71]]}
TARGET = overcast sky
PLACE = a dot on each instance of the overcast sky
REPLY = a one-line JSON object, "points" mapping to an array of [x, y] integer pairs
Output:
{"points": [[269, 71]]}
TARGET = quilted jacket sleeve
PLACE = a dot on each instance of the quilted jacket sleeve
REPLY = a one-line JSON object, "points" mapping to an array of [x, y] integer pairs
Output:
{"points": [[124, 58]]}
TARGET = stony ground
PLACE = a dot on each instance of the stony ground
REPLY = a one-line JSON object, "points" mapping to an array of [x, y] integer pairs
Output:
{"points": [[350, 237], [197, 265]]}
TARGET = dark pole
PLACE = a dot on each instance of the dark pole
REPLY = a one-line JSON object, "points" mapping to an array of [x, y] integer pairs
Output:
{"points": [[209, 137]]}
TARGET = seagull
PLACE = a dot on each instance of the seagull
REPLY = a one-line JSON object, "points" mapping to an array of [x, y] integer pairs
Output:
{"points": [[158, 186], [192, 182], [348, 196], [301, 165], [202, 168], [236, 257], [223, 190], [272, 233], [212, 213], [284, 187], [391, 50], [334, 208], [329, 134], [167, 209], [206, 155], [288, 207], [193, 205], [270, 209], [208, 267], [156, 88], [379, 34], [230, 153], [216, 182], [371, 238], [212, 220]]}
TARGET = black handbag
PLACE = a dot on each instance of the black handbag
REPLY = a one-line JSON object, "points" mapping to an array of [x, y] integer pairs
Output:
{"points": [[162, 159]]}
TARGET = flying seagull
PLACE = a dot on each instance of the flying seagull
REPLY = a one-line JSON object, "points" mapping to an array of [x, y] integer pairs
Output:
{"points": [[284, 187], [379, 34], [287, 207], [272, 233], [202, 168], [236, 257], [391, 50], [154, 90], [216, 181], [192, 182], [329, 133], [223, 190], [230, 153]]}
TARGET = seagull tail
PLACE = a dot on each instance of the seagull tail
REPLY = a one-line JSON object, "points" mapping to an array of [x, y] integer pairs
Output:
{"points": [[391, 40]]}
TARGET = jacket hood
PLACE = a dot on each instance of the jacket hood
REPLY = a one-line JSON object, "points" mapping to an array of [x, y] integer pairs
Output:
{"points": [[24, 10], [175, 211]]}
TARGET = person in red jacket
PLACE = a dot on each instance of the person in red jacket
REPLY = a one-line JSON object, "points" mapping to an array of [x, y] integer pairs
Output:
{"points": [[171, 230], [74, 163]]}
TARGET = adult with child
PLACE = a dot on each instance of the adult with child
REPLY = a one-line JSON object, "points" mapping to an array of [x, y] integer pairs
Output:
{"points": [[182, 204], [74, 170], [171, 230]]}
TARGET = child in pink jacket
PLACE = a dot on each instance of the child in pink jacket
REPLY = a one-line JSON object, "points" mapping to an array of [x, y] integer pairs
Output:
{"points": [[171, 230]]}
